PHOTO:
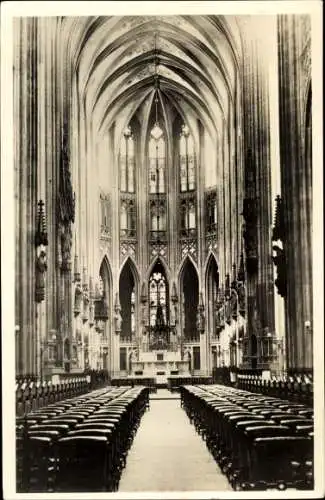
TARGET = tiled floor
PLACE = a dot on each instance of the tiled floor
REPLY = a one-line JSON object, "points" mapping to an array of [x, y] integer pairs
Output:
{"points": [[168, 455]]}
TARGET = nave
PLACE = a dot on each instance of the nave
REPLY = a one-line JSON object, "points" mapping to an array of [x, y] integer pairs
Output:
{"points": [[164, 177], [168, 455], [205, 438]]}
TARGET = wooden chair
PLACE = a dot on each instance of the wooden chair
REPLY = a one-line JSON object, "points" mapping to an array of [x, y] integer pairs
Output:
{"points": [[85, 464]]}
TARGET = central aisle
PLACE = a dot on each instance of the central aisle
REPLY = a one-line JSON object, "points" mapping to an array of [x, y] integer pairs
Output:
{"points": [[168, 455]]}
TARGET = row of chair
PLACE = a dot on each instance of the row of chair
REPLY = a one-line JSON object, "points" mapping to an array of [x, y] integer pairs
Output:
{"points": [[174, 382], [149, 382], [298, 389], [259, 442], [34, 395], [79, 444]]}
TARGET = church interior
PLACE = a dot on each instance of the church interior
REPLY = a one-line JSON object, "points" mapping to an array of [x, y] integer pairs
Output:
{"points": [[163, 209]]}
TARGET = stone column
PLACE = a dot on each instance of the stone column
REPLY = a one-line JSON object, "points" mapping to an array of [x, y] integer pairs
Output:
{"points": [[294, 53], [25, 161], [65, 206], [257, 203]]}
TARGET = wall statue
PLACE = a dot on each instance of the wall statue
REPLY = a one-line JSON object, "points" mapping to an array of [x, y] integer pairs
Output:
{"points": [[77, 299], [227, 309], [118, 321], [41, 267], [173, 315], [200, 320], [133, 356], [233, 304], [187, 356], [66, 245], [280, 263], [241, 291]]}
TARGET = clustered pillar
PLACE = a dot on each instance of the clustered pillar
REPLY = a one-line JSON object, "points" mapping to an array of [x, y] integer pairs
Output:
{"points": [[294, 52]]}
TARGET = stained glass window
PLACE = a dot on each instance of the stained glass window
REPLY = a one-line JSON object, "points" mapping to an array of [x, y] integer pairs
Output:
{"points": [[158, 215], [157, 161], [128, 218], [191, 216], [157, 296], [211, 212], [188, 216], [186, 161]]}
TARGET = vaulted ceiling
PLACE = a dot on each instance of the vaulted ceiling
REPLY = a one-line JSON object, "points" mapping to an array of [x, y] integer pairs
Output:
{"points": [[115, 59]]}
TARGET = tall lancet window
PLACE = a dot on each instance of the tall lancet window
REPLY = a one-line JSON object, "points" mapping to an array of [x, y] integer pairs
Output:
{"points": [[188, 217], [127, 163], [211, 211], [158, 215], [158, 296], [157, 161], [128, 218], [186, 161], [157, 184]]}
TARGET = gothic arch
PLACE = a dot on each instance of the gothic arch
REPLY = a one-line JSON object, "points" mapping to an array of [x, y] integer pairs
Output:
{"points": [[106, 269], [129, 298], [211, 256], [132, 121], [211, 291], [189, 299], [105, 273], [164, 122], [189, 51], [129, 259], [158, 292], [164, 265], [182, 266], [184, 118]]}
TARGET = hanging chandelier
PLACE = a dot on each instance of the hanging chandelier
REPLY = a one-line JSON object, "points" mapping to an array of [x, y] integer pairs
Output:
{"points": [[156, 132]]}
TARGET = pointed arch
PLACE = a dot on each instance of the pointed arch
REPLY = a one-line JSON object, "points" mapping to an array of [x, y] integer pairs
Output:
{"points": [[211, 292], [211, 256], [129, 259], [105, 269], [164, 264], [159, 292], [104, 302], [189, 299], [127, 159], [128, 294], [183, 263]]}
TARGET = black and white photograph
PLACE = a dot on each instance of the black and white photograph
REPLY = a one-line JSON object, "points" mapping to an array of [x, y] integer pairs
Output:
{"points": [[162, 270]]}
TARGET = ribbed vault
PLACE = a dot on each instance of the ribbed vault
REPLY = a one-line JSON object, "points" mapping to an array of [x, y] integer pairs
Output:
{"points": [[114, 60]]}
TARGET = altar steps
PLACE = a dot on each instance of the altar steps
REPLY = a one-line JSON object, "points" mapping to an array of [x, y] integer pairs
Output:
{"points": [[163, 394]]}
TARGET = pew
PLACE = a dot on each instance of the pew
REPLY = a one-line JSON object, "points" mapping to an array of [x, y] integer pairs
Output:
{"points": [[80, 445], [243, 429]]}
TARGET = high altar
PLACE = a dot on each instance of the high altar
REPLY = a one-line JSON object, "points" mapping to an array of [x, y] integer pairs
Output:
{"points": [[160, 355]]}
